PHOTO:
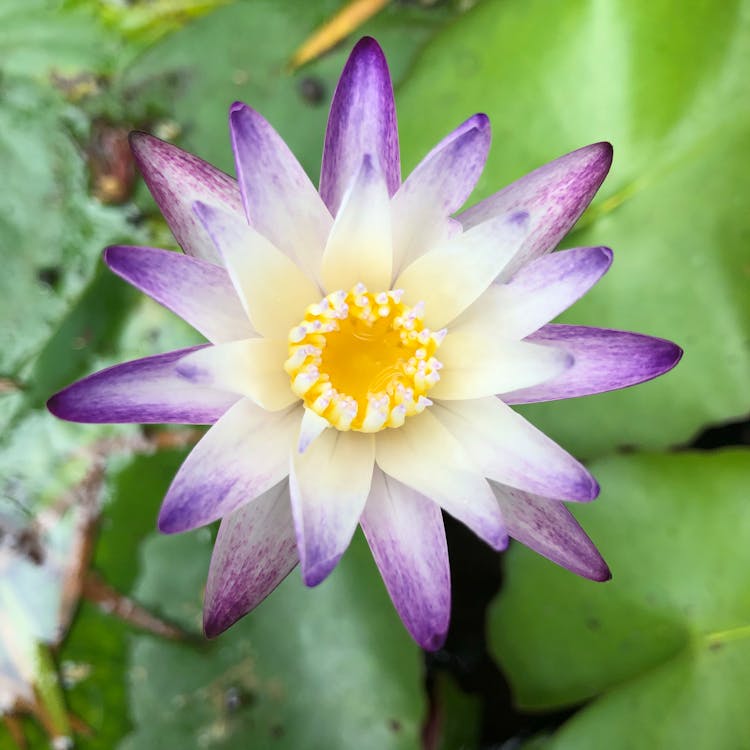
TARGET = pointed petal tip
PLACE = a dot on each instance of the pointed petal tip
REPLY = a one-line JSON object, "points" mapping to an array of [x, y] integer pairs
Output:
{"points": [[480, 121], [237, 106], [431, 641], [314, 575], [367, 45]]}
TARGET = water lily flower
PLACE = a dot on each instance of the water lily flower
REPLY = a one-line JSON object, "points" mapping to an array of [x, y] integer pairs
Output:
{"points": [[366, 343]]}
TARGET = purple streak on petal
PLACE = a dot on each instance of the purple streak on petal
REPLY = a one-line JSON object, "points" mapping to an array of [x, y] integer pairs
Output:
{"points": [[177, 179], [362, 121], [329, 485], [438, 186], [547, 527], [200, 292], [255, 550], [242, 456], [149, 390], [555, 195], [406, 535], [604, 361], [280, 201], [509, 449]]}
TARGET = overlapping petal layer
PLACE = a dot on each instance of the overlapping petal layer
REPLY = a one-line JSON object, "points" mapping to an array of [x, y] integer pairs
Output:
{"points": [[270, 254]]}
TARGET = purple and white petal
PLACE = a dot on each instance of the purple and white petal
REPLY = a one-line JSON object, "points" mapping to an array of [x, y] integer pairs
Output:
{"points": [[437, 188], [362, 121], [604, 360], [476, 365], [273, 290], [424, 455], [329, 484], [538, 292], [510, 450], [255, 550], [360, 246], [547, 527], [200, 292], [252, 368], [554, 195], [149, 390], [451, 276], [242, 456], [406, 535], [280, 201], [177, 179]]}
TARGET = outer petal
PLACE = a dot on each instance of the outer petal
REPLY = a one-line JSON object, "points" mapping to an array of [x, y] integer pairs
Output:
{"points": [[242, 456], [475, 365], [452, 275], [149, 390], [254, 551], [554, 195], [538, 293], [200, 292], [549, 529], [280, 201], [423, 455], [510, 450], [360, 246], [272, 288], [177, 179], [329, 484], [362, 121], [438, 187], [405, 532], [604, 360], [252, 368]]}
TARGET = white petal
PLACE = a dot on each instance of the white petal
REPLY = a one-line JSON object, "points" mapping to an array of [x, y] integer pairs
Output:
{"points": [[510, 450], [426, 457], [538, 293], [360, 247], [329, 484], [451, 276], [312, 427], [252, 368], [274, 291], [242, 456], [476, 365]]}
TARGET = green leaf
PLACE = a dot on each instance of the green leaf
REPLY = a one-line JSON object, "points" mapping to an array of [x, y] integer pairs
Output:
{"points": [[337, 653], [669, 88], [664, 646], [51, 229]]}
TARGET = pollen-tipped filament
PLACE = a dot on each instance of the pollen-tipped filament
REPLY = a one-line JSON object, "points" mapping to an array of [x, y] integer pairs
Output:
{"points": [[364, 361]]}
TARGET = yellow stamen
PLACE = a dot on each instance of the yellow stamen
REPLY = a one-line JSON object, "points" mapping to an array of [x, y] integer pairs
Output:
{"points": [[363, 361]]}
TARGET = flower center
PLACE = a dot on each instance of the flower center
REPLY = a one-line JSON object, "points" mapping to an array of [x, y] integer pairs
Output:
{"points": [[363, 361]]}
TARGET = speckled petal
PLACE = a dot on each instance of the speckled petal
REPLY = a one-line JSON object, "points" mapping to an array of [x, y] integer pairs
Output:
{"points": [[604, 360], [255, 550], [406, 535], [149, 391], [362, 121], [547, 527], [555, 195], [177, 179], [201, 293], [242, 456]]}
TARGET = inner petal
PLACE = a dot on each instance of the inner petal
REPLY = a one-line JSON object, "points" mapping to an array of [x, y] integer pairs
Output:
{"points": [[363, 360]]}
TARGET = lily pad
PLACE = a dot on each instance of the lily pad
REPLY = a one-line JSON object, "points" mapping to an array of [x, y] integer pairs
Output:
{"points": [[669, 88], [337, 653], [664, 648]]}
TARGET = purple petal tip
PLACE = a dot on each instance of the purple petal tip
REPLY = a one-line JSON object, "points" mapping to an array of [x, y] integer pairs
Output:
{"points": [[432, 641], [319, 572]]}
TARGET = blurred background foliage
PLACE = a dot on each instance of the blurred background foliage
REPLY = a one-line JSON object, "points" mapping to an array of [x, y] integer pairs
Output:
{"points": [[657, 658]]}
